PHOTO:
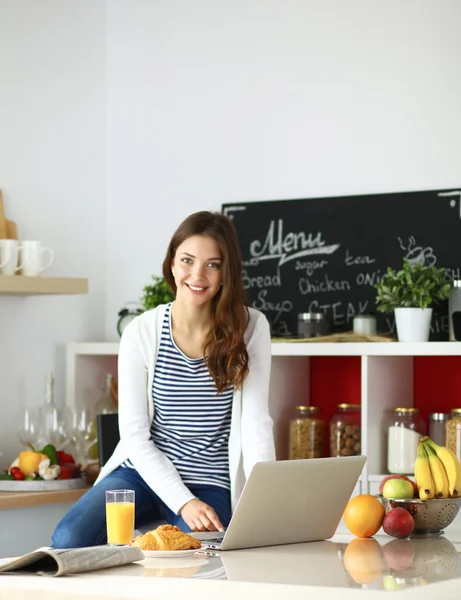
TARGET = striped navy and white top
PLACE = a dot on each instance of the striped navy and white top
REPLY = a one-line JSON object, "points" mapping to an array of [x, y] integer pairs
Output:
{"points": [[191, 423]]}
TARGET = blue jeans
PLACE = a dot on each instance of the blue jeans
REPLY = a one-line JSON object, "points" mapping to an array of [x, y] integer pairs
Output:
{"points": [[85, 523]]}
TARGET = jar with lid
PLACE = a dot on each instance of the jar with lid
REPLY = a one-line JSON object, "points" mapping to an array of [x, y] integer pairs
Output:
{"points": [[453, 432], [406, 426], [437, 426], [312, 325], [306, 436], [345, 431], [364, 324]]}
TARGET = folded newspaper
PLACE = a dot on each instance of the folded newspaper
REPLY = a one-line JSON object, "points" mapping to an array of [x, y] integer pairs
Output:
{"points": [[56, 562]]}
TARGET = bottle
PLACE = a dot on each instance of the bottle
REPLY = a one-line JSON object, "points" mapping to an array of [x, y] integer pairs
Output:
{"points": [[306, 435], [453, 432], [51, 424], [454, 311], [49, 389], [345, 431], [103, 406], [405, 428], [437, 426]]}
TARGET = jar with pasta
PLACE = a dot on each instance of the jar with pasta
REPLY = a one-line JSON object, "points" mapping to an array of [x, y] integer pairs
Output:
{"points": [[345, 431], [306, 435], [453, 432]]}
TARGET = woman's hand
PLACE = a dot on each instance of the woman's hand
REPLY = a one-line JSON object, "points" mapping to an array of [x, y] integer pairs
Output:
{"points": [[200, 516]]}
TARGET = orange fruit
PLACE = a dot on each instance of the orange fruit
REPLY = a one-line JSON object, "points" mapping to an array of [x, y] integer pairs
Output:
{"points": [[363, 560], [363, 515]]}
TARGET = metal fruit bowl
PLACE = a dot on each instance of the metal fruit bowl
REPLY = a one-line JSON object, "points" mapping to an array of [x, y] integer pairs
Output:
{"points": [[430, 516]]}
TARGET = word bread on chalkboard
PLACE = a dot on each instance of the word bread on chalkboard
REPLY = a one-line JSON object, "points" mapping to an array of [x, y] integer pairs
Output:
{"points": [[326, 254]]}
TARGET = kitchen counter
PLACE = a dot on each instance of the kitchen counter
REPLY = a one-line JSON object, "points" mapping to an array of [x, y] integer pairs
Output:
{"points": [[21, 499], [35, 515], [344, 566]]}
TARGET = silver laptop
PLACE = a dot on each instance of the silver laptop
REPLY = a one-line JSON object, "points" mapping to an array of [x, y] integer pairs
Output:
{"points": [[290, 501]]}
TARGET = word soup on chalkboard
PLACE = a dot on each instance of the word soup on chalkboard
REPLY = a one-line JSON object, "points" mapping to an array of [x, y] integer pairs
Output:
{"points": [[327, 254]]}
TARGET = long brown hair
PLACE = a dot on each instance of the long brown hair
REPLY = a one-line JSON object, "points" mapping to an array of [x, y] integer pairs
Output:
{"points": [[225, 352]]}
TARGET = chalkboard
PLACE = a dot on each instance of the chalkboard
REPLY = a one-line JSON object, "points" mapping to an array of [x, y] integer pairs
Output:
{"points": [[326, 254]]}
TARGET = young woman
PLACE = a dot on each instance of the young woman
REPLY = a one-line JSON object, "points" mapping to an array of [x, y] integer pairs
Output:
{"points": [[193, 381]]}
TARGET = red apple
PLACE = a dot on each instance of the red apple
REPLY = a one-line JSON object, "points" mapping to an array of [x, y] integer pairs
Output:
{"points": [[399, 554], [383, 481], [398, 523]]}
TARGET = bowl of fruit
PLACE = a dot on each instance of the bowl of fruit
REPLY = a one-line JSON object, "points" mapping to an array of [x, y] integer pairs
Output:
{"points": [[433, 500]]}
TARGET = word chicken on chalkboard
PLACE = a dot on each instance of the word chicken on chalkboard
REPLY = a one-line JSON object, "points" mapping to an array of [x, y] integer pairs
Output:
{"points": [[327, 254]]}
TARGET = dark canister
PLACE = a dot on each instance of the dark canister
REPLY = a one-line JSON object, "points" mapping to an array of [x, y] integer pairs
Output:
{"points": [[312, 325], [454, 311]]}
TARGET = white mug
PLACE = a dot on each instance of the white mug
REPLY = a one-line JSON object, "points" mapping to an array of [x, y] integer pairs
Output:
{"points": [[31, 257], [9, 257]]}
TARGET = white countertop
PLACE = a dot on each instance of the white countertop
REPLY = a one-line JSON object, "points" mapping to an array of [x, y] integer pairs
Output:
{"points": [[343, 565]]}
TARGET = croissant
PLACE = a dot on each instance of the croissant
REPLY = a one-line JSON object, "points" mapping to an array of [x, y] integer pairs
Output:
{"points": [[166, 537]]}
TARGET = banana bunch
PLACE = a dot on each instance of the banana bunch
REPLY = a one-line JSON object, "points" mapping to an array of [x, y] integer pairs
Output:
{"points": [[437, 471]]}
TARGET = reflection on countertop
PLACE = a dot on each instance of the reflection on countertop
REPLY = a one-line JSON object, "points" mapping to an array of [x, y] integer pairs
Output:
{"points": [[380, 563]]}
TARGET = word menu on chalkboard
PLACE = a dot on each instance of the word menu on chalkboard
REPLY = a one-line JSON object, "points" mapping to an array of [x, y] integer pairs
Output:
{"points": [[326, 254]]}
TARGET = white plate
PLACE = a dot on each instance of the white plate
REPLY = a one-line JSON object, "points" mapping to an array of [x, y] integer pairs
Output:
{"points": [[168, 553]]}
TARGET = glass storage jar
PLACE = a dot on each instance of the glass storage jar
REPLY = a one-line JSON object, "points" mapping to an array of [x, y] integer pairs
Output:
{"points": [[437, 427], [306, 436], [345, 438], [453, 432], [312, 325], [406, 426]]}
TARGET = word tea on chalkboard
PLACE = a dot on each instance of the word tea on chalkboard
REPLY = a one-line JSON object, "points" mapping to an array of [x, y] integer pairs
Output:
{"points": [[326, 254]]}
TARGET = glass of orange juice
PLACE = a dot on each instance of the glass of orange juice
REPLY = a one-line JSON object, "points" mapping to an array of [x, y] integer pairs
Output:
{"points": [[119, 516]]}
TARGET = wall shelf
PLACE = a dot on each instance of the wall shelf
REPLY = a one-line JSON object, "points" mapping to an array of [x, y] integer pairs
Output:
{"points": [[377, 375], [312, 349], [18, 285], [366, 349]]}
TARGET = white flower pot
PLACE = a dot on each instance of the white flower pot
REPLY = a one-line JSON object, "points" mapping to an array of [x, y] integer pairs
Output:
{"points": [[413, 324]]}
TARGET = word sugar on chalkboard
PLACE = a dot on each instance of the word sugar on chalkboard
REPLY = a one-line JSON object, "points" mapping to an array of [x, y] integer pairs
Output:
{"points": [[326, 254]]}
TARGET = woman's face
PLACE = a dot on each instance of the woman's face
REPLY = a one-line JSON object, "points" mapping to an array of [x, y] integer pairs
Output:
{"points": [[196, 269]]}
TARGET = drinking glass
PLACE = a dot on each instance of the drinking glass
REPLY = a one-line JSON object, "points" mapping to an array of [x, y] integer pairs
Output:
{"points": [[119, 516]]}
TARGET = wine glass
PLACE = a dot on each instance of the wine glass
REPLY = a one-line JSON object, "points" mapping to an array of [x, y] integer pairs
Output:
{"points": [[82, 430], [55, 427], [31, 427]]}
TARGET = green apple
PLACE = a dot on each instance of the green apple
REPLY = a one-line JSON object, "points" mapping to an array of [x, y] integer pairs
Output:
{"points": [[398, 489], [390, 584]]}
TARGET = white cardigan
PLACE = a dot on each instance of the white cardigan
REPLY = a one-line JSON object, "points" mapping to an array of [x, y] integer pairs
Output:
{"points": [[251, 436]]}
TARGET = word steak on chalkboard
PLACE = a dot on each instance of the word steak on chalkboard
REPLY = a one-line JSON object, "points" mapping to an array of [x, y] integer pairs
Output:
{"points": [[326, 254]]}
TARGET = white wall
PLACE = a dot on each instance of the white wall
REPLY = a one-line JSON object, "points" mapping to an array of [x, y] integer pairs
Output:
{"points": [[214, 101], [52, 173]]}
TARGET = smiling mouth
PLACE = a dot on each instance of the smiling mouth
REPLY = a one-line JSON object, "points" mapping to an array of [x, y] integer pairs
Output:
{"points": [[194, 288]]}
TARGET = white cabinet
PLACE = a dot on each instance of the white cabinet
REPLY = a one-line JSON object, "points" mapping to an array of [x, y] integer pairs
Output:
{"points": [[386, 381]]}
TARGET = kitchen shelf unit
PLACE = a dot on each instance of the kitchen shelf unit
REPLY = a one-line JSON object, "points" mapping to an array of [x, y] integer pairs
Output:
{"points": [[19, 285], [377, 375]]}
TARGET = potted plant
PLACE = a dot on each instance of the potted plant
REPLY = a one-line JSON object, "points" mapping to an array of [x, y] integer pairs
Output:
{"points": [[156, 293], [410, 292]]}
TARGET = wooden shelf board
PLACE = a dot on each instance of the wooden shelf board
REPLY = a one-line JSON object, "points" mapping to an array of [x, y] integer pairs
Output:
{"points": [[21, 499], [18, 285]]}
